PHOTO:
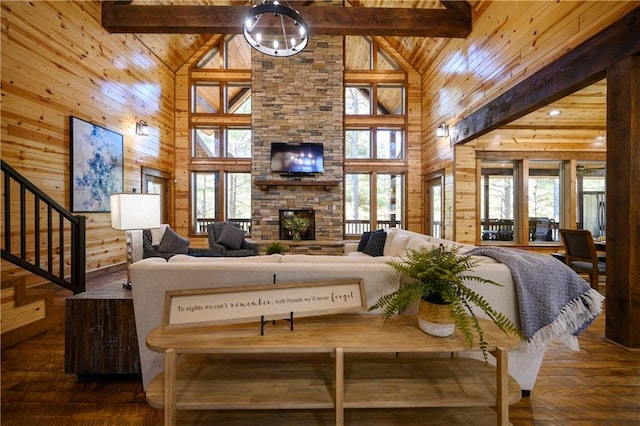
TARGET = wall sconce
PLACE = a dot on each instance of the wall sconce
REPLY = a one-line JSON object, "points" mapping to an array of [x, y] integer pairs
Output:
{"points": [[443, 130], [142, 129]]}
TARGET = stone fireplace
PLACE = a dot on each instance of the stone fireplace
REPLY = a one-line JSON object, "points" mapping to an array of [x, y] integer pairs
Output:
{"points": [[298, 99]]}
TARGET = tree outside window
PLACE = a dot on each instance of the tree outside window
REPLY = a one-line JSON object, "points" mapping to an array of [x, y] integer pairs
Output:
{"points": [[357, 188], [205, 199]]}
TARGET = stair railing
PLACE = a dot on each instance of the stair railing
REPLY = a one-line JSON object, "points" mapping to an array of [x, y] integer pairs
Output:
{"points": [[61, 228]]}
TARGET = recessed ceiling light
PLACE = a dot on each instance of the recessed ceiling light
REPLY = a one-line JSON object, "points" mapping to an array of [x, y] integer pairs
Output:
{"points": [[554, 113]]}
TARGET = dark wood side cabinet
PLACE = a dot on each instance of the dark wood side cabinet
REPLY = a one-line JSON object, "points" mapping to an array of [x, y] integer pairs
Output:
{"points": [[100, 333]]}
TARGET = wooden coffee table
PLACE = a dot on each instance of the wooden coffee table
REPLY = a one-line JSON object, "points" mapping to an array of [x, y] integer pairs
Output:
{"points": [[337, 362]]}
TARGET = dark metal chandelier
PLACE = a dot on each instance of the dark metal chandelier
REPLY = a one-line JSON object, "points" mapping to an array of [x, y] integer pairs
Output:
{"points": [[275, 29]]}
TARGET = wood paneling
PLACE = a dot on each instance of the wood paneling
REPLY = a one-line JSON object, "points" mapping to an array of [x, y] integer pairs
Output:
{"points": [[58, 61], [509, 42]]}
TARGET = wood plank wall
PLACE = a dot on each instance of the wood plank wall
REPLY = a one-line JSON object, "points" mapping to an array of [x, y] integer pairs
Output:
{"points": [[509, 42], [58, 61]]}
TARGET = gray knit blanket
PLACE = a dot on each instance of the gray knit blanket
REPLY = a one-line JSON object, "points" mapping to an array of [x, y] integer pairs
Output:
{"points": [[554, 302]]}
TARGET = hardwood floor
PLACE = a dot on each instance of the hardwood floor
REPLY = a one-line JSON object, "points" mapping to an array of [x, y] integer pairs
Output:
{"points": [[600, 385]]}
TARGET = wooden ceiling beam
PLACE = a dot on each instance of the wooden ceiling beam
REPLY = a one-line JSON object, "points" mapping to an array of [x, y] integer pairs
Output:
{"points": [[462, 6], [123, 17], [579, 68]]}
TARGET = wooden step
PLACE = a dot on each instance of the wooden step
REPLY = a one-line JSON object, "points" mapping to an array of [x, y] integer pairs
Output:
{"points": [[27, 312], [19, 316]]}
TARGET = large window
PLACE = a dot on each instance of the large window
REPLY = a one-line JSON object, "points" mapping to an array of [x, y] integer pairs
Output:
{"points": [[389, 200], [209, 202], [525, 201], [375, 123], [357, 201], [373, 201], [544, 200], [220, 155], [497, 208], [379, 143], [238, 197], [204, 194], [591, 197]]}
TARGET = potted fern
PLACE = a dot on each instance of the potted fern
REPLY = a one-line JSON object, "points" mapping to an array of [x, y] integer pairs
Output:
{"points": [[435, 277], [276, 247]]}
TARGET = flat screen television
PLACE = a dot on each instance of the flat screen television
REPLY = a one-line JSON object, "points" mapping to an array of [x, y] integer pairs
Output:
{"points": [[297, 158]]}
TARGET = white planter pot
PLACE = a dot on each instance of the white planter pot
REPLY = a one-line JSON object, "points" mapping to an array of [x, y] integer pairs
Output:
{"points": [[435, 319]]}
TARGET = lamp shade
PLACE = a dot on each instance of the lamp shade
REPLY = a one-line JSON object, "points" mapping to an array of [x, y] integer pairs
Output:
{"points": [[135, 211]]}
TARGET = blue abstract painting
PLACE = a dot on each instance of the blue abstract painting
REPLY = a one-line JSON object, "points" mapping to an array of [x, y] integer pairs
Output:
{"points": [[97, 166]]}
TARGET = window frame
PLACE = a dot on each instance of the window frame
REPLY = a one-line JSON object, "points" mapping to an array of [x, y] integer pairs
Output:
{"points": [[223, 121], [373, 122], [522, 162]]}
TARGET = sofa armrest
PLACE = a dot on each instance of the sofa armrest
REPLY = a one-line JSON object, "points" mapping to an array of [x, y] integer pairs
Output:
{"points": [[217, 249], [248, 245], [350, 247]]}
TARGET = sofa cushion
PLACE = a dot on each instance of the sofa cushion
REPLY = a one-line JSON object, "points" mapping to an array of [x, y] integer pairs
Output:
{"points": [[375, 245], [173, 243], [231, 237], [329, 259], [364, 240], [416, 243], [398, 244], [272, 258]]}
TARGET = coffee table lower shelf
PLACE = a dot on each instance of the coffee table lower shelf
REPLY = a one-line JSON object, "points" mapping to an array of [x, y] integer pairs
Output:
{"points": [[226, 382]]}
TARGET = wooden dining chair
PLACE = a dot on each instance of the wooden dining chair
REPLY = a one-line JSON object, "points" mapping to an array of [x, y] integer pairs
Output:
{"points": [[581, 254]]}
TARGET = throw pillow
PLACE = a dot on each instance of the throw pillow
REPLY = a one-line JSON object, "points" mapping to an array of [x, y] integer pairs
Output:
{"points": [[231, 237], [364, 240], [173, 243], [375, 246], [157, 234]]}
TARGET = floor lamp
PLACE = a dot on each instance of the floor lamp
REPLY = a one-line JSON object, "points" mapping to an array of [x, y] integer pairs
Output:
{"points": [[132, 211]]}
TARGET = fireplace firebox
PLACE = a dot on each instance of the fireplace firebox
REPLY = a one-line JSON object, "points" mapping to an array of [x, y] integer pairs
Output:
{"points": [[307, 234]]}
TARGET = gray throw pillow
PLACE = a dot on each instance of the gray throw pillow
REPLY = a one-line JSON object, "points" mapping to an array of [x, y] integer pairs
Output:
{"points": [[231, 237], [173, 243], [375, 245]]}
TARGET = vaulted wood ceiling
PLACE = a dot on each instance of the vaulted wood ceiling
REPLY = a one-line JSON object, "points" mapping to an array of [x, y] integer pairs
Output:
{"points": [[582, 120], [583, 113], [175, 49]]}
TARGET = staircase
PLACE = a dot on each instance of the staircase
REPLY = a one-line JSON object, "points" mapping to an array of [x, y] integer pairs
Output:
{"points": [[42, 243], [27, 312]]}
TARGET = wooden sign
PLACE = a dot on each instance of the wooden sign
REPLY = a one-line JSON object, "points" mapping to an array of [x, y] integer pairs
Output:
{"points": [[226, 305]]}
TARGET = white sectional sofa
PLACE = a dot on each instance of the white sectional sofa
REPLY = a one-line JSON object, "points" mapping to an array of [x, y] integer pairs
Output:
{"points": [[152, 277]]}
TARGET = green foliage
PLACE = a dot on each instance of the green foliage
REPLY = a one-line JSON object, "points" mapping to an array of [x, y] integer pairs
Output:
{"points": [[276, 247], [438, 275], [296, 223]]}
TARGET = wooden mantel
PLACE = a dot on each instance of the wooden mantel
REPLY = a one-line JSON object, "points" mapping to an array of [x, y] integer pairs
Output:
{"points": [[326, 184]]}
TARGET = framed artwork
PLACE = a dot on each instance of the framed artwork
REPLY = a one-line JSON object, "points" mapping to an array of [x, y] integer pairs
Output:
{"points": [[97, 166]]}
